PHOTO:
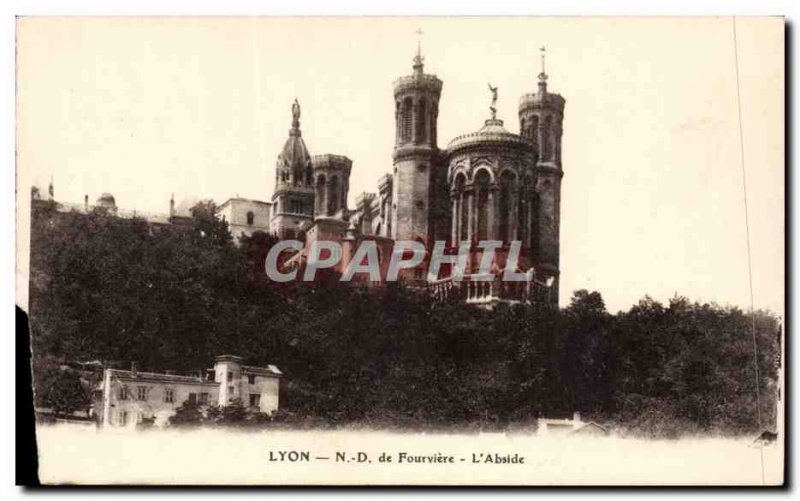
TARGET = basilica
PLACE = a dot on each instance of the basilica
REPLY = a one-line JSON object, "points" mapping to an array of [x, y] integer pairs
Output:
{"points": [[490, 184]]}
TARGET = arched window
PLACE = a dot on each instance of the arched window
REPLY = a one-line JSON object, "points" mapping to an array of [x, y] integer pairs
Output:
{"points": [[333, 196], [406, 134], [507, 187], [309, 175], [421, 121], [482, 181], [250, 218], [398, 124], [319, 194], [547, 143], [461, 207]]}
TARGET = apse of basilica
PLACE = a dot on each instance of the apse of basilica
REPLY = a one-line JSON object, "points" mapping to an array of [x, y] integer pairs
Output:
{"points": [[490, 184]]}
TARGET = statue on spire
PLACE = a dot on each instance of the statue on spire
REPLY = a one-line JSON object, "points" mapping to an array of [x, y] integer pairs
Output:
{"points": [[493, 106], [295, 112]]}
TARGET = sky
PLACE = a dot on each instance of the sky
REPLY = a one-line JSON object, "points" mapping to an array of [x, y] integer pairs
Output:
{"points": [[652, 196]]}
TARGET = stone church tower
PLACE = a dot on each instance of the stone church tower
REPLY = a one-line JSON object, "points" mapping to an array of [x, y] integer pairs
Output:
{"points": [[540, 119], [332, 174], [416, 155], [293, 198]]}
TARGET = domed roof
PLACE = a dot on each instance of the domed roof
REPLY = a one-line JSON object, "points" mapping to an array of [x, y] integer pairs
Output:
{"points": [[294, 154], [106, 199], [491, 134], [185, 206]]}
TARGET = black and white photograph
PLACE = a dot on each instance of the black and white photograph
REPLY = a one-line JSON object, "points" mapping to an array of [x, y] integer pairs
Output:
{"points": [[441, 251]]}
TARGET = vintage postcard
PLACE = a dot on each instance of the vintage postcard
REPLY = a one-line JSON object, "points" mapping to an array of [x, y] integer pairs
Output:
{"points": [[403, 251]]}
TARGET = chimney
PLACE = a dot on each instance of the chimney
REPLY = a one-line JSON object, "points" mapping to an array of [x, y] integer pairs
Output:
{"points": [[133, 369]]}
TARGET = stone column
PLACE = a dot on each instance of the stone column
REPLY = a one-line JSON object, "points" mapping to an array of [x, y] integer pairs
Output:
{"points": [[470, 193], [513, 213], [459, 211], [455, 218], [529, 215], [493, 211]]}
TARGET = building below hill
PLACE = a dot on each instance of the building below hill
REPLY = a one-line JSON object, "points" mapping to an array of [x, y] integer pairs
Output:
{"points": [[244, 216], [126, 398]]}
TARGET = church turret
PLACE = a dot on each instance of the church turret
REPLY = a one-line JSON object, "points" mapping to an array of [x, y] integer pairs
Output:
{"points": [[416, 154], [331, 185], [293, 198], [541, 117]]}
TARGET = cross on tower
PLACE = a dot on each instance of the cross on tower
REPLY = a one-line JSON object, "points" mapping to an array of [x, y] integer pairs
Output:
{"points": [[543, 51], [418, 58], [543, 74]]}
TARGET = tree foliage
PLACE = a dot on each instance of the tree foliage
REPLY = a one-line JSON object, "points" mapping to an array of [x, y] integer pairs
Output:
{"points": [[58, 387], [119, 290]]}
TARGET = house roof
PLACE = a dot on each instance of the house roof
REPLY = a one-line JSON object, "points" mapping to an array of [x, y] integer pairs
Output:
{"points": [[240, 199]]}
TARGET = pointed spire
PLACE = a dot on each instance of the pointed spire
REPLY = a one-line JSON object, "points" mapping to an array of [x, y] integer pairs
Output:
{"points": [[543, 74], [418, 59], [50, 189]]}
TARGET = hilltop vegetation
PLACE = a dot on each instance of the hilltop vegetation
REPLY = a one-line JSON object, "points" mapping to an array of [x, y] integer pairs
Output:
{"points": [[106, 288]]}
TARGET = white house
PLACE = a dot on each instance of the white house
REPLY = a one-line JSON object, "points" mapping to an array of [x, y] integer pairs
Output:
{"points": [[128, 397]]}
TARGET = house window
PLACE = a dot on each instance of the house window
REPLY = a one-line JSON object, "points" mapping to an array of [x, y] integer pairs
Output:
{"points": [[123, 393], [296, 206], [141, 393], [123, 418], [230, 392], [255, 400], [250, 218], [230, 376], [251, 379], [169, 395], [204, 399], [193, 398], [139, 417]]}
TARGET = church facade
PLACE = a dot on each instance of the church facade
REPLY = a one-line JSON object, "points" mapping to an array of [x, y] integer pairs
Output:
{"points": [[490, 184]]}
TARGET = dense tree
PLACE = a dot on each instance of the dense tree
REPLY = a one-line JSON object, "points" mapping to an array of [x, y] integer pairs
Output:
{"points": [[119, 290], [59, 388], [187, 415]]}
